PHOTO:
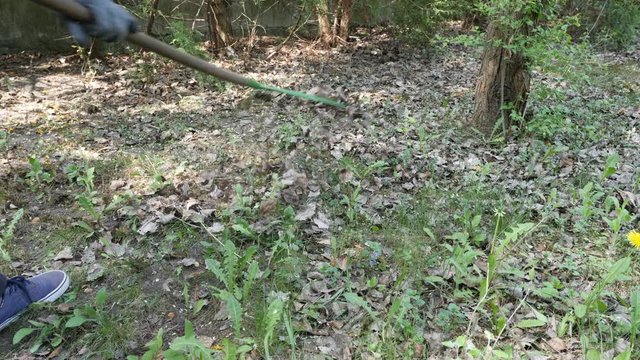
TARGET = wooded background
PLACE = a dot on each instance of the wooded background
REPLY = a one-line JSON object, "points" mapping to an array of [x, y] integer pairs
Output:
{"points": [[25, 25]]}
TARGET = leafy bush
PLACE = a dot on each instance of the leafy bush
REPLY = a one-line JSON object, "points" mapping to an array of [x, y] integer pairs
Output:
{"points": [[186, 39], [621, 23], [190, 41], [614, 23], [418, 20]]}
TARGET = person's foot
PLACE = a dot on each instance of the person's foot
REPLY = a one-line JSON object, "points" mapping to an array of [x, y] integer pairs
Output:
{"points": [[19, 292]]}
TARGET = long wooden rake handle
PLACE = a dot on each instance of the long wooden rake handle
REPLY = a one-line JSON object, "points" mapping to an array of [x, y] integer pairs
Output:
{"points": [[76, 11]]}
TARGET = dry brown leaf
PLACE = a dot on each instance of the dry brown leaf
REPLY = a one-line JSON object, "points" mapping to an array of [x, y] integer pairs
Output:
{"points": [[307, 213], [322, 221], [149, 226], [557, 344], [65, 254]]}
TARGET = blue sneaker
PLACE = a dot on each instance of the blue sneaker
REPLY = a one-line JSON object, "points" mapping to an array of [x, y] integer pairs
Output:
{"points": [[19, 292]]}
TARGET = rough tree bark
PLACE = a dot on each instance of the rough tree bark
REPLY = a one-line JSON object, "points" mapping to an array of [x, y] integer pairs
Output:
{"points": [[325, 33], [341, 12], [346, 13], [219, 19], [504, 82], [152, 16]]}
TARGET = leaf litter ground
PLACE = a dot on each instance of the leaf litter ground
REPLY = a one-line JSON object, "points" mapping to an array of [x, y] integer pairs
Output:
{"points": [[377, 194]]}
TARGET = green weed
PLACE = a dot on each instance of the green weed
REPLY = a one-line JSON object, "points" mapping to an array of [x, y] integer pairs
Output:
{"points": [[37, 176], [351, 204], [4, 139], [154, 348], [589, 313], [89, 314], [290, 133], [188, 346], [273, 317], [88, 198], [287, 239], [95, 318], [238, 275], [7, 232], [47, 333]]}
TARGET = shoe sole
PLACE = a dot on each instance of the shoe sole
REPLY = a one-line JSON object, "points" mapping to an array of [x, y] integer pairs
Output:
{"points": [[51, 297]]}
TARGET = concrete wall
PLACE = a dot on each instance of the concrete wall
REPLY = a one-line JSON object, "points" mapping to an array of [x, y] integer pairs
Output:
{"points": [[25, 25]]}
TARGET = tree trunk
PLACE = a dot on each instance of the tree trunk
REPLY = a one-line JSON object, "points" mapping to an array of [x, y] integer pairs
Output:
{"points": [[152, 16], [503, 85], [346, 13], [219, 19], [325, 33], [334, 18]]}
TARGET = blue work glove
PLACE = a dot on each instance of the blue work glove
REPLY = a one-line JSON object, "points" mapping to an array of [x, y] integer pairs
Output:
{"points": [[110, 22]]}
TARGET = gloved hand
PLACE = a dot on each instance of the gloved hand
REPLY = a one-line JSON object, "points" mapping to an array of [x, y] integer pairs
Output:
{"points": [[110, 22]]}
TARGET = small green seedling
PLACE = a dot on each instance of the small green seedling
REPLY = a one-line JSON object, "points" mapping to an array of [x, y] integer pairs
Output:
{"points": [[188, 346], [48, 333], [37, 176], [238, 274], [89, 314]]}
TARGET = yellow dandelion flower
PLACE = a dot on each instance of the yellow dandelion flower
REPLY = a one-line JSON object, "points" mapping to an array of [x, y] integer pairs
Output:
{"points": [[634, 238]]}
